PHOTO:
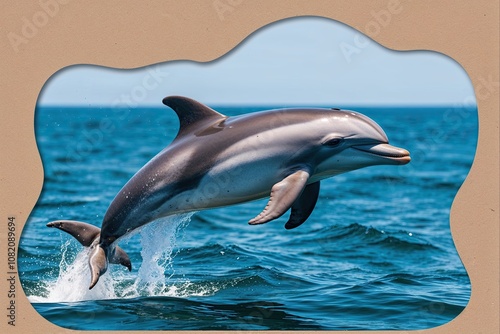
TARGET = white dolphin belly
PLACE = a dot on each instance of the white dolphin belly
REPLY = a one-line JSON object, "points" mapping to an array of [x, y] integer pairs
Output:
{"points": [[226, 184]]}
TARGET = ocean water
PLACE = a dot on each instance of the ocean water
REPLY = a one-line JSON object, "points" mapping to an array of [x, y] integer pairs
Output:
{"points": [[376, 253]]}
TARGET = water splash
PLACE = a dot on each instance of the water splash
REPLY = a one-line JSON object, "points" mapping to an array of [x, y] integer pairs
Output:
{"points": [[74, 279], [158, 240]]}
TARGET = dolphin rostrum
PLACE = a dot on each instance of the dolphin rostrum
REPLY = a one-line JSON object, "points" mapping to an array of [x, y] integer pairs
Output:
{"points": [[216, 160]]}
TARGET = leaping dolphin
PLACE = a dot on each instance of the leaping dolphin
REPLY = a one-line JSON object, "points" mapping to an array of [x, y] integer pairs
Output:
{"points": [[216, 161]]}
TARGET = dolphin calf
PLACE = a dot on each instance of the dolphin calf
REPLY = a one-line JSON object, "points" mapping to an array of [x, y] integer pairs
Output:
{"points": [[216, 161]]}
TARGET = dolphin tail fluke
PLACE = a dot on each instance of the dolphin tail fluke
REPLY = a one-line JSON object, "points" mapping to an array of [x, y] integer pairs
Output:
{"points": [[98, 264], [83, 232], [120, 257], [88, 235]]}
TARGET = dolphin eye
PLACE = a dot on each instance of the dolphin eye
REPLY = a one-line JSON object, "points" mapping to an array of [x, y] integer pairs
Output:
{"points": [[333, 142]]}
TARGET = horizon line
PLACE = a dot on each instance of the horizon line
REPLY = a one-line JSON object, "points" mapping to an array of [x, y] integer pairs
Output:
{"points": [[269, 105]]}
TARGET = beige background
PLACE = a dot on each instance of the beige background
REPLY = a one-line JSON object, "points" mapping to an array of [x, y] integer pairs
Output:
{"points": [[127, 34]]}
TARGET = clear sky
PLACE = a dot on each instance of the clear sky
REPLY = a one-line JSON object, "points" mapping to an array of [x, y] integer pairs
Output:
{"points": [[300, 61]]}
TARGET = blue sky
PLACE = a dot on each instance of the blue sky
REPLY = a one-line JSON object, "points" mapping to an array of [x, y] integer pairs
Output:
{"points": [[300, 61]]}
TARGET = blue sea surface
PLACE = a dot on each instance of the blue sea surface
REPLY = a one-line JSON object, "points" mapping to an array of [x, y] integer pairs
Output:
{"points": [[376, 254]]}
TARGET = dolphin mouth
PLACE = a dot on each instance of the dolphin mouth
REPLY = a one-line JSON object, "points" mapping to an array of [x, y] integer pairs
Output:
{"points": [[393, 153]]}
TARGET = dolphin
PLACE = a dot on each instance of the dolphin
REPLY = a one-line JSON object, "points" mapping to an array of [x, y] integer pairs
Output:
{"points": [[216, 161]]}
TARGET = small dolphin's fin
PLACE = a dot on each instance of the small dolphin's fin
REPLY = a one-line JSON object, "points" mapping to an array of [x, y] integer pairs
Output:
{"points": [[191, 112], [98, 264], [83, 232], [303, 206], [283, 195]]}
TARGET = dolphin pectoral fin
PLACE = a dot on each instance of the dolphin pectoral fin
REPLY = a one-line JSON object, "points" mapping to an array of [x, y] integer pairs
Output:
{"points": [[303, 206], [83, 232], [98, 264], [120, 257], [283, 195]]}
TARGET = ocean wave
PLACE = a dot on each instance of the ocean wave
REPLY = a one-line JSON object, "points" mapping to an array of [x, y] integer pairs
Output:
{"points": [[74, 201], [164, 312], [356, 233]]}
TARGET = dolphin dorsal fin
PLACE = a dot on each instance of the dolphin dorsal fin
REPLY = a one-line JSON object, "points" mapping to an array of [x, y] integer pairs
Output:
{"points": [[191, 112]]}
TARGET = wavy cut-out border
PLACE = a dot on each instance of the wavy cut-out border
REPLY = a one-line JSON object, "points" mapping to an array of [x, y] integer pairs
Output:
{"points": [[39, 40]]}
